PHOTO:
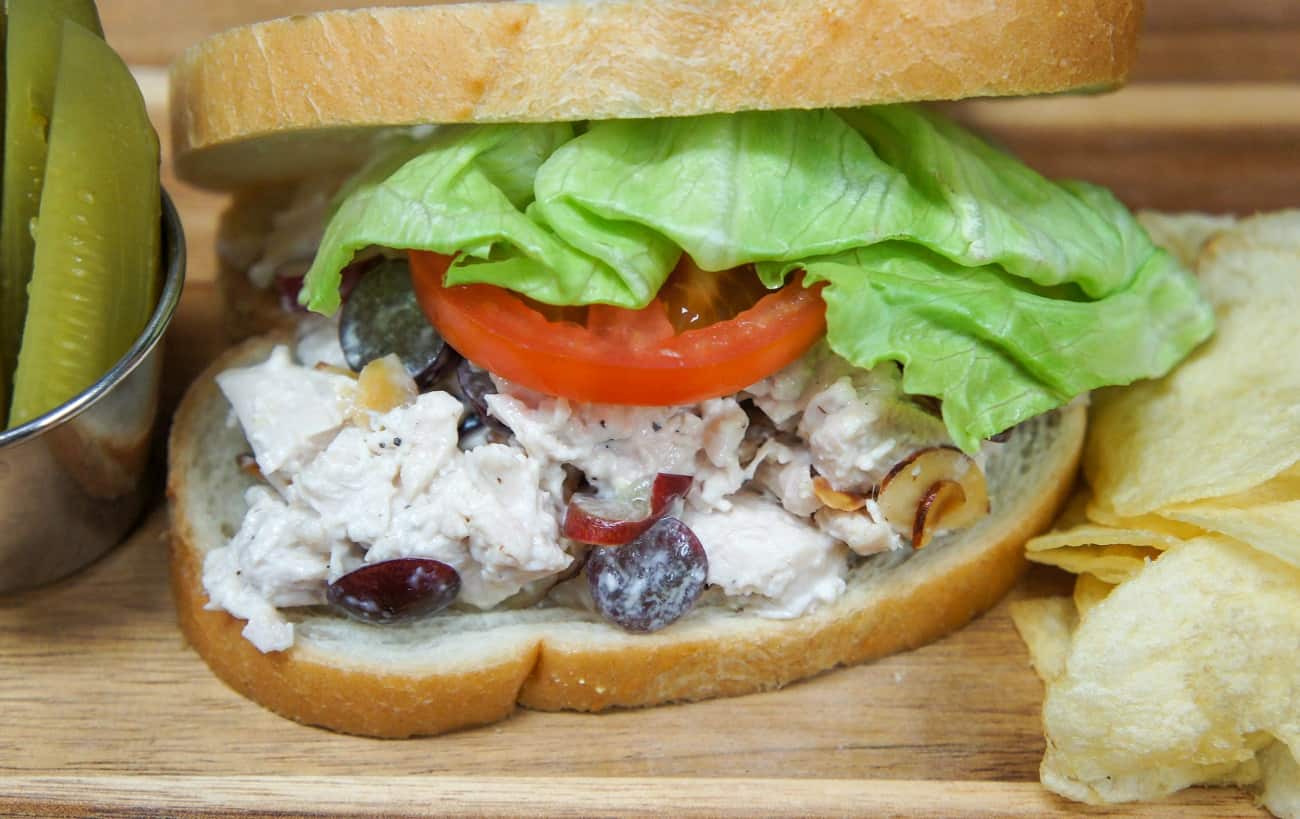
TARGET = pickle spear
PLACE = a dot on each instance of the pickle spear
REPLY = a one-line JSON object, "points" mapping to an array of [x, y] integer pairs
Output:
{"points": [[95, 278], [35, 32], [4, 371]]}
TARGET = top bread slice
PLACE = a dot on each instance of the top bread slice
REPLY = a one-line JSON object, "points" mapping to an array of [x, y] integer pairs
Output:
{"points": [[276, 100]]}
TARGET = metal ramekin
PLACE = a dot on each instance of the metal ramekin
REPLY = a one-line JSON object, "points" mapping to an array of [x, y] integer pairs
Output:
{"points": [[74, 480]]}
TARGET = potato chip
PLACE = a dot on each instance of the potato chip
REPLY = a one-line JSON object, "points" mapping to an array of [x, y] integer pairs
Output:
{"points": [[1228, 418], [1075, 510], [1182, 234], [1266, 516], [1090, 534], [1111, 564], [1089, 590], [1145, 523], [1186, 670], [1112, 555], [1045, 624], [1181, 677], [1280, 775]]}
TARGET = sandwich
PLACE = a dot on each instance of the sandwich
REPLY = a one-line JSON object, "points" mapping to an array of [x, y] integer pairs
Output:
{"points": [[617, 354]]}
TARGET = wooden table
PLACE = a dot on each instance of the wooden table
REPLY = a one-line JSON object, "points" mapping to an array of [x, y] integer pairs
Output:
{"points": [[105, 711]]}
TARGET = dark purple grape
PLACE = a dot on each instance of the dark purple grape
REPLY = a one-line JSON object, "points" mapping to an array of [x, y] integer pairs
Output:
{"points": [[475, 386], [289, 284], [652, 581], [382, 316], [475, 432], [287, 288], [394, 590], [470, 423]]}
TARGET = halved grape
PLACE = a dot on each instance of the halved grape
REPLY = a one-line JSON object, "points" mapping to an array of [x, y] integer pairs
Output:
{"points": [[652, 581], [615, 521], [391, 591], [381, 316]]}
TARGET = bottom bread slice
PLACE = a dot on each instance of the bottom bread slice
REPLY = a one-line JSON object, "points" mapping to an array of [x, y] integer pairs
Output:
{"points": [[461, 669]]}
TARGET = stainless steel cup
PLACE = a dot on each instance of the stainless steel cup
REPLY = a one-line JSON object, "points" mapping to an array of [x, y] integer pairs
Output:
{"points": [[74, 480]]}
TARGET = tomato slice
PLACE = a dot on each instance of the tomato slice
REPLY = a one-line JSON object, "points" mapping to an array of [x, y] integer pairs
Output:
{"points": [[618, 356]]}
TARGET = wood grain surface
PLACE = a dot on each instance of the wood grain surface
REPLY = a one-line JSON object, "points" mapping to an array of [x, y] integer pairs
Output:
{"points": [[105, 712]]}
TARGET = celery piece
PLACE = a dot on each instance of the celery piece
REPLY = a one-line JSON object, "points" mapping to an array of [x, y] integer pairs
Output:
{"points": [[95, 275], [35, 32]]}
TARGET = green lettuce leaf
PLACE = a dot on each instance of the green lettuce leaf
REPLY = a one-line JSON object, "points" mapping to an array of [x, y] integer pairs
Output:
{"points": [[459, 190], [1000, 292], [996, 352], [983, 206]]}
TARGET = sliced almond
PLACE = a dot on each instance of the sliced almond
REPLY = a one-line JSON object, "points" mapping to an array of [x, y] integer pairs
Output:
{"points": [[938, 501], [905, 487], [835, 499]]}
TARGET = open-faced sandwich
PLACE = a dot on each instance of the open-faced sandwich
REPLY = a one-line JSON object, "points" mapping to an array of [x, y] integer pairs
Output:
{"points": [[656, 352]]}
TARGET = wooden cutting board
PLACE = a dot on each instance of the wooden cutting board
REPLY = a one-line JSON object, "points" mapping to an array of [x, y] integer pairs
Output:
{"points": [[105, 711]]}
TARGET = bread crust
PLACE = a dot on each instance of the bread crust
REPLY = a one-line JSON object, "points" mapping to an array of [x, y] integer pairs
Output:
{"points": [[582, 664], [276, 99]]}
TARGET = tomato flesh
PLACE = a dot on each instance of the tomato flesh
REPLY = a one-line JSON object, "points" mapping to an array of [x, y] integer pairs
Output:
{"points": [[620, 356], [695, 298]]}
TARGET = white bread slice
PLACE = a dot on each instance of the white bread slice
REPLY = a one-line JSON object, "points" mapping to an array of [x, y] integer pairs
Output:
{"points": [[274, 100], [459, 669]]}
